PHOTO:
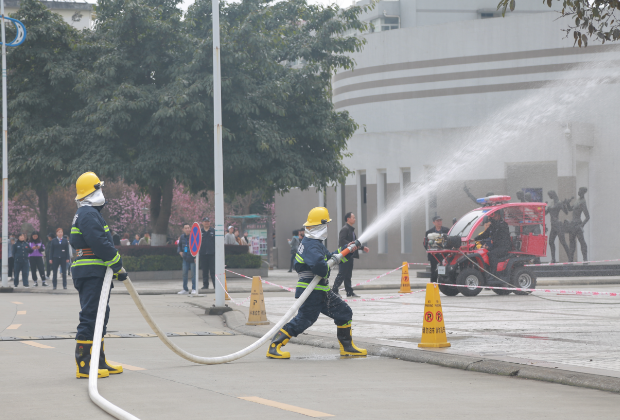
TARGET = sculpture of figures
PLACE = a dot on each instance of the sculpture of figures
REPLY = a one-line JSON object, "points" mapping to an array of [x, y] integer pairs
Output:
{"points": [[576, 225], [520, 196], [472, 197], [557, 229]]}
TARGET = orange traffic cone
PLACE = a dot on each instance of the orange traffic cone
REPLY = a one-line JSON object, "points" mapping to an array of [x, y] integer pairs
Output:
{"points": [[433, 330], [226, 288], [405, 287], [258, 314]]}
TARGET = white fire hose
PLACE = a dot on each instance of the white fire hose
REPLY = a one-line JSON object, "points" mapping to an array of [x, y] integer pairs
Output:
{"points": [[118, 412]]}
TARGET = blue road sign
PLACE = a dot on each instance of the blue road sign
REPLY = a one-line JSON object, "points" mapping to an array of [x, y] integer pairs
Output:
{"points": [[195, 239]]}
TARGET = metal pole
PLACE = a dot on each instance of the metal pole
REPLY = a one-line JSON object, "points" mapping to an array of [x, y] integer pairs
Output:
{"points": [[217, 157], [5, 169]]}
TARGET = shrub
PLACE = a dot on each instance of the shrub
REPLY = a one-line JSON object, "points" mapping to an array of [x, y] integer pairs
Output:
{"points": [[175, 263]]}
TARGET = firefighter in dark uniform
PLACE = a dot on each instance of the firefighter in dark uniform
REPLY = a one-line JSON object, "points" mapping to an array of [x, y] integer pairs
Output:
{"points": [[91, 238], [311, 260], [437, 228], [498, 233]]}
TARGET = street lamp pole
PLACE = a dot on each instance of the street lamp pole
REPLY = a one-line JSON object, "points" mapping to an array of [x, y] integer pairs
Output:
{"points": [[5, 169], [217, 158]]}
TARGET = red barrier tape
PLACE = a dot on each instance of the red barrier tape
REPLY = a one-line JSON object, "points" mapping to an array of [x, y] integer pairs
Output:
{"points": [[378, 277], [564, 292]]}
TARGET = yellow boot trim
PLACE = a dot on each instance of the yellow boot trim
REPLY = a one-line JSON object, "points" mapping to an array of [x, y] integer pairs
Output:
{"points": [[116, 369], [102, 373], [362, 352], [287, 334]]}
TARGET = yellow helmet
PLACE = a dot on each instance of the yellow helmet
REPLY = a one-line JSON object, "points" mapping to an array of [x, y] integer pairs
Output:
{"points": [[87, 184], [318, 216]]}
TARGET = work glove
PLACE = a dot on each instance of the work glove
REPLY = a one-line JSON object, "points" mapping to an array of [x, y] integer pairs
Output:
{"points": [[121, 275]]}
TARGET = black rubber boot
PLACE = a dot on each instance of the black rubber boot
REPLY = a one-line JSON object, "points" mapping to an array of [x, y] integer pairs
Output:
{"points": [[347, 347], [279, 340], [83, 350], [104, 364]]}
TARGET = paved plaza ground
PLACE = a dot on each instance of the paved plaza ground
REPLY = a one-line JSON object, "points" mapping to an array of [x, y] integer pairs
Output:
{"points": [[567, 332]]}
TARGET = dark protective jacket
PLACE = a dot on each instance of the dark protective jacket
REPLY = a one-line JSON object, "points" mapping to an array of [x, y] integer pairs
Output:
{"points": [[345, 237], [21, 251], [207, 247], [499, 234], [89, 230], [59, 249], [433, 230], [311, 260]]}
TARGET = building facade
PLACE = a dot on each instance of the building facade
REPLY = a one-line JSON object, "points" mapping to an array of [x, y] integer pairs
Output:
{"points": [[78, 15], [450, 95]]}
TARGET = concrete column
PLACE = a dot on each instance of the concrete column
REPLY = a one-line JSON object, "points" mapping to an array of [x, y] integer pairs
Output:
{"points": [[360, 198], [381, 195]]}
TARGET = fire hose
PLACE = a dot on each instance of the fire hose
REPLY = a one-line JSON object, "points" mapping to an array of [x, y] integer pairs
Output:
{"points": [[118, 412]]}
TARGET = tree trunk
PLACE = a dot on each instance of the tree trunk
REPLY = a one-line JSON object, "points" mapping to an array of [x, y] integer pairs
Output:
{"points": [[161, 209], [42, 194]]}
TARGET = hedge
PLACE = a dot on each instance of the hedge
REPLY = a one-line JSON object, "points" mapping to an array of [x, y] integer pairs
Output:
{"points": [[171, 250], [174, 262]]}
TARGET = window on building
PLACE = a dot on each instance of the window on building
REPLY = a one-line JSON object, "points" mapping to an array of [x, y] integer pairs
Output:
{"points": [[385, 24]]}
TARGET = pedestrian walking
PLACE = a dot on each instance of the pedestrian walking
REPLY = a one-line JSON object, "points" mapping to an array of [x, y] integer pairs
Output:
{"points": [[294, 244], [229, 238], [311, 260], [345, 268], [59, 257], [91, 237], [11, 257], [48, 255], [437, 228], [207, 253], [36, 258], [21, 252], [189, 262]]}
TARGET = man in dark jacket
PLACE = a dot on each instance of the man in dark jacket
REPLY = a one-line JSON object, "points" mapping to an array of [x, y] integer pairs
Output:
{"points": [[48, 255], [312, 260], [189, 262], [59, 257], [437, 228], [498, 233], [345, 269], [21, 252], [91, 238], [207, 253]]}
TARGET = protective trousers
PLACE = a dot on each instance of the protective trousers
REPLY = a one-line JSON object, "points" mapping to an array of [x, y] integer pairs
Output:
{"points": [[208, 267], [59, 262], [319, 302], [89, 289], [345, 272], [21, 267], [495, 256]]}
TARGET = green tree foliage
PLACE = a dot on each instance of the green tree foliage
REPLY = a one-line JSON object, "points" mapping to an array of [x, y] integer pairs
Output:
{"points": [[590, 18], [41, 103]]}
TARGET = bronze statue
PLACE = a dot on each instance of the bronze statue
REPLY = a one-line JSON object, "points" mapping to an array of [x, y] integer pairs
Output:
{"points": [[557, 228], [576, 225], [520, 196], [471, 196]]}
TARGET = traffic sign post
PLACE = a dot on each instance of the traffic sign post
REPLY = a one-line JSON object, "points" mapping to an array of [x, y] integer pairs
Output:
{"points": [[195, 241]]}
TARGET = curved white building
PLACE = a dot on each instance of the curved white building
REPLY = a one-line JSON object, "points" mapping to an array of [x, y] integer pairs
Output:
{"points": [[447, 93]]}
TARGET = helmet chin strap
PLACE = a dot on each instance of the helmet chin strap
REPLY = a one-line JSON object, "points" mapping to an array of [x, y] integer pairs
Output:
{"points": [[317, 232]]}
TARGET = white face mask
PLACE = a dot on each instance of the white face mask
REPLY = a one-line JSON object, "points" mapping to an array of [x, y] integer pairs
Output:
{"points": [[317, 232], [93, 200]]}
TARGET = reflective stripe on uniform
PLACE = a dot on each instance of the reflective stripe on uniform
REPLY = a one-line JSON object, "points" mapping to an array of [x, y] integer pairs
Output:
{"points": [[76, 231], [79, 263], [299, 259], [318, 287], [106, 228], [113, 260]]}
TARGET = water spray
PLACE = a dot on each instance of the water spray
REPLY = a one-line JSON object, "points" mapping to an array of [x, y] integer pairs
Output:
{"points": [[118, 412]]}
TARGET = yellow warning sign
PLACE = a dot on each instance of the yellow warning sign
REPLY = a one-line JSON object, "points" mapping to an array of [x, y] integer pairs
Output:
{"points": [[405, 286], [433, 329], [258, 314]]}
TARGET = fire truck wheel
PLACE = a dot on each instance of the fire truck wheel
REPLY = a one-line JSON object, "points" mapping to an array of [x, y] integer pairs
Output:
{"points": [[468, 279], [502, 292], [524, 278], [448, 290]]}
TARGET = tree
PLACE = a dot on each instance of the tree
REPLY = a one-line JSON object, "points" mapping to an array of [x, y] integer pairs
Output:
{"points": [[592, 18], [41, 102]]}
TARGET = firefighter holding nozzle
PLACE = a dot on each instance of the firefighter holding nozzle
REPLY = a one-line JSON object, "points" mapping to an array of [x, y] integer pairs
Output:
{"points": [[311, 260], [91, 238]]}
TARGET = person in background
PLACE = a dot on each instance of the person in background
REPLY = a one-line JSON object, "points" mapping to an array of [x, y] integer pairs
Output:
{"points": [[207, 253], [189, 262], [136, 240], [125, 240], [59, 257], [48, 255], [246, 239], [229, 238], [21, 252], [294, 244], [116, 238], [237, 238], [11, 257], [345, 268], [36, 258], [146, 239], [437, 228]]}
